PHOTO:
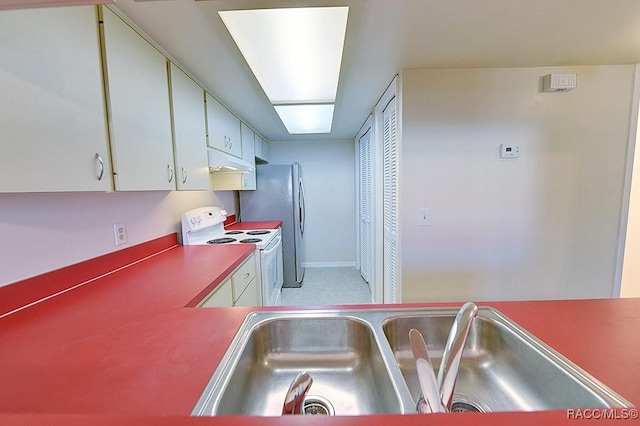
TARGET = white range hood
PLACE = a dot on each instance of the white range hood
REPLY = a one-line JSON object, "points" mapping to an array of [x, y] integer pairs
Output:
{"points": [[222, 162]]}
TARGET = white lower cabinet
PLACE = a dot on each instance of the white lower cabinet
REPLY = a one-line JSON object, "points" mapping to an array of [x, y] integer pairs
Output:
{"points": [[222, 297], [53, 130], [238, 289], [250, 296], [241, 280]]}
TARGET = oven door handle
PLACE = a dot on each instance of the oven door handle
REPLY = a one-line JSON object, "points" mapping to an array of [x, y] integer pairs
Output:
{"points": [[277, 242]]}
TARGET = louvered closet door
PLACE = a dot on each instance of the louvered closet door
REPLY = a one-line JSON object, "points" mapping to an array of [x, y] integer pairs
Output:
{"points": [[366, 236], [390, 202]]}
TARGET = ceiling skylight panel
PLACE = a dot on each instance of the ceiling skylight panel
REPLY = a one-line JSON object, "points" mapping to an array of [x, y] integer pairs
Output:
{"points": [[294, 53], [306, 119]]}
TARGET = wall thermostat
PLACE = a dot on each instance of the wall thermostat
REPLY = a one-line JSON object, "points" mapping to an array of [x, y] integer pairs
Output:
{"points": [[509, 151]]}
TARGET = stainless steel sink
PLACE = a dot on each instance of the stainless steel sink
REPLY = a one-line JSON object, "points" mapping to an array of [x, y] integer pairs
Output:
{"points": [[361, 363], [340, 353], [504, 368]]}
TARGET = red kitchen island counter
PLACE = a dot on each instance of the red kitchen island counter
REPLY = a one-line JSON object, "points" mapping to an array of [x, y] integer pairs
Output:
{"points": [[159, 367], [124, 350]]}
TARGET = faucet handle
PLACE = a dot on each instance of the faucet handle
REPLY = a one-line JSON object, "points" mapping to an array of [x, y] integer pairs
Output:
{"points": [[430, 400], [295, 395]]}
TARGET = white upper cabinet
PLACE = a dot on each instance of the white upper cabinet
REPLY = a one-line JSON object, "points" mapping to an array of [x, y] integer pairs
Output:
{"points": [[223, 128], [261, 147], [138, 99], [246, 181], [24, 4], [52, 116], [189, 131], [248, 154], [257, 147], [266, 151]]}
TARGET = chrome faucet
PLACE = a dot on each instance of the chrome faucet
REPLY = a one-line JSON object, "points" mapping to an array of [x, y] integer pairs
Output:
{"points": [[437, 394], [294, 400]]}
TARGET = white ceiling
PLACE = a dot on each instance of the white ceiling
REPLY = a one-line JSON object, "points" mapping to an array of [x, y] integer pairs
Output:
{"points": [[386, 36]]}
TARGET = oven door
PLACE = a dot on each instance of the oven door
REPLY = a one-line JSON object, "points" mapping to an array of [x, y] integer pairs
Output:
{"points": [[272, 272]]}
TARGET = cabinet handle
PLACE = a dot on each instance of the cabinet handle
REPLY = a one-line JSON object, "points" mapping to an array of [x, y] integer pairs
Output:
{"points": [[230, 143], [184, 175], [101, 165], [170, 170]]}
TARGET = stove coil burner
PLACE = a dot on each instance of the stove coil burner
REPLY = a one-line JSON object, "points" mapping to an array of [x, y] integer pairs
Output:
{"points": [[258, 232], [233, 232], [221, 241], [251, 240]]}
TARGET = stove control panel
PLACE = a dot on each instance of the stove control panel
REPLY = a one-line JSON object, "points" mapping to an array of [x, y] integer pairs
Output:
{"points": [[202, 218]]}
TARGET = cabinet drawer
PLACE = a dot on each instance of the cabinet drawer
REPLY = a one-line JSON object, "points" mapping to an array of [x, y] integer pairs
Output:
{"points": [[243, 276]]}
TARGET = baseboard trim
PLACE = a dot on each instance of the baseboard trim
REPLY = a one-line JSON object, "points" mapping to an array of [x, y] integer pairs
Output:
{"points": [[329, 264]]}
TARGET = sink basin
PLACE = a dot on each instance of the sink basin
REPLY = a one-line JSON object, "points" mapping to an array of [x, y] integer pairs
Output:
{"points": [[504, 368], [341, 354], [361, 363]]}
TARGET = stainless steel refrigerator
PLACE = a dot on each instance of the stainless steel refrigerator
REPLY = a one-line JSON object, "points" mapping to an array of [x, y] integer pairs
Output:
{"points": [[279, 195]]}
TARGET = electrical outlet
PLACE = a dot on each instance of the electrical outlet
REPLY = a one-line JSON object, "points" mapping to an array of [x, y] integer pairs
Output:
{"points": [[120, 233]]}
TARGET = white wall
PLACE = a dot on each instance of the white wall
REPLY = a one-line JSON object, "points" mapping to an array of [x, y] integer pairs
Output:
{"points": [[631, 269], [329, 180], [44, 232], [540, 227]]}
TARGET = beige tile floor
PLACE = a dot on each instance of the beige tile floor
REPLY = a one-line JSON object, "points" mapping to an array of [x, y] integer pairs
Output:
{"points": [[328, 286]]}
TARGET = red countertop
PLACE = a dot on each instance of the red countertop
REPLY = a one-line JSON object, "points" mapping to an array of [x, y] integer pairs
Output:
{"points": [[248, 226], [124, 350]]}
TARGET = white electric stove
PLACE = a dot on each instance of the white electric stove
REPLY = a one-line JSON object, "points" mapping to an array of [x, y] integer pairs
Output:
{"points": [[205, 225]]}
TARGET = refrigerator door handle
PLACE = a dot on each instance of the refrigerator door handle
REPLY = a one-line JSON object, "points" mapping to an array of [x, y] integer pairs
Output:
{"points": [[301, 211]]}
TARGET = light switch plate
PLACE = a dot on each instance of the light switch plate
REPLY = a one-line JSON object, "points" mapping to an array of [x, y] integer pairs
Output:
{"points": [[424, 217]]}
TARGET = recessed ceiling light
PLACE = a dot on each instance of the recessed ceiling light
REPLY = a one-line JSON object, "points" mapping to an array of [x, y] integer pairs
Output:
{"points": [[306, 119]]}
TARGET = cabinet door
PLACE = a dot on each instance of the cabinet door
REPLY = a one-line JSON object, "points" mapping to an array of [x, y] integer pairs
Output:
{"points": [[233, 181], [258, 148], [265, 150], [52, 115], [140, 120], [242, 278], [221, 298], [250, 296], [223, 128], [248, 154], [189, 131]]}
